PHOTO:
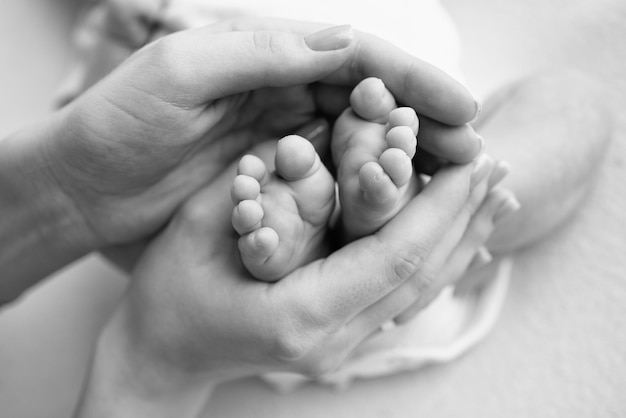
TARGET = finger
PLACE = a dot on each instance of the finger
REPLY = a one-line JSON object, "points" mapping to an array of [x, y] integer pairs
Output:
{"points": [[363, 272], [457, 144], [476, 235], [426, 163], [482, 257], [454, 252], [428, 282], [200, 66], [452, 269], [413, 82], [408, 299], [476, 277]]}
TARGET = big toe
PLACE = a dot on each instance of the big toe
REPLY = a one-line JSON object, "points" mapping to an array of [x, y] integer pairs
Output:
{"points": [[295, 158], [371, 100]]}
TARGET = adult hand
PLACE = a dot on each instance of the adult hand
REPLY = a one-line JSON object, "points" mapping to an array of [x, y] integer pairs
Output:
{"points": [[444, 106], [138, 143], [112, 166], [174, 114], [193, 313]]}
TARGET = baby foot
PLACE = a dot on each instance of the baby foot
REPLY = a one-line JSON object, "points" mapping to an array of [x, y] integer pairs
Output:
{"points": [[282, 216], [373, 144]]}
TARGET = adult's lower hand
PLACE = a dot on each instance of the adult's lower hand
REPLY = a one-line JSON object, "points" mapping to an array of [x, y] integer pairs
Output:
{"points": [[193, 314]]}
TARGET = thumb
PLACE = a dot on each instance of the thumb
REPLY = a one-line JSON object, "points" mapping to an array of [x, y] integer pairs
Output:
{"points": [[201, 66]]}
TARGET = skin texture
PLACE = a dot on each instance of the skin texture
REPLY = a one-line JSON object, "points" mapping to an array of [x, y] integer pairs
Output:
{"points": [[308, 322], [283, 207], [174, 134], [116, 162], [122, 161]]}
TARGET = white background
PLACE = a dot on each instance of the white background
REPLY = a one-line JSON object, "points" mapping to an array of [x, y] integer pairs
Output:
{"points": [[559, 348]]}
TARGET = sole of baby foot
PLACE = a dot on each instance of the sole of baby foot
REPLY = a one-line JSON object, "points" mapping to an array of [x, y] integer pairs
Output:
{"points": [[282, 217], [375, 171]]}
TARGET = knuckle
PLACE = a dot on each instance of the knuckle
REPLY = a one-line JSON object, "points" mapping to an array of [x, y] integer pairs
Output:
{"points": [[291, 343], [314, 317], [408, 76], [357, 66], [266, 42], [194, 216], [405, 264], [421, 284], [321, 365], [164, 50], [300, 334], [289, 349], [170, 55]]}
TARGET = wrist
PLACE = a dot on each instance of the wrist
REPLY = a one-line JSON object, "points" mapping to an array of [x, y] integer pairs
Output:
{"points": [[126, 380], [38, 222]]}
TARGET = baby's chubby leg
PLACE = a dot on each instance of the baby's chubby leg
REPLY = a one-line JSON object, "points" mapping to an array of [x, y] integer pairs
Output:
{"points": [[553, 128], [282, 216], [372, 146]]}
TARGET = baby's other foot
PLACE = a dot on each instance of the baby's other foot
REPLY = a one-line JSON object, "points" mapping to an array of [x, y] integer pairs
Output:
{"points": [[373, 144], [282, 216]]}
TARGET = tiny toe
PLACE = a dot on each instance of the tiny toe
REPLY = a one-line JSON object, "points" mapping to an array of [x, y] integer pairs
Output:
{"points": [[295, 158], [397, 165], [247, 216], [253, 166], [244, 188], [402, 137], [404, 116], [371, 100], [257, 246], [377, 186]]}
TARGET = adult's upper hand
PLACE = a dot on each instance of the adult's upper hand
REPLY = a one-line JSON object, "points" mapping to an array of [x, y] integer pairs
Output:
{"points": [[193, 314], [175, 113]]}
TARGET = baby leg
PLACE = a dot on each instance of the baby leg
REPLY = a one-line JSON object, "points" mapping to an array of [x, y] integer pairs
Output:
{"points": [[282, 216], [553, 128], [372, 146]]}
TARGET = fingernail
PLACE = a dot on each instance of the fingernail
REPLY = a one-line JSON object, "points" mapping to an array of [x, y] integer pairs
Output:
{"points": [[481, 147], [482, 167], [482, 257], [479, 108], [509, 206], [314, 129], [500, 171], [330, 39]]}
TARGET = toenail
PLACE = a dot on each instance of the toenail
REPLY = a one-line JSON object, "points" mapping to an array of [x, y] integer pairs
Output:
{"points": [[481, 168]]}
